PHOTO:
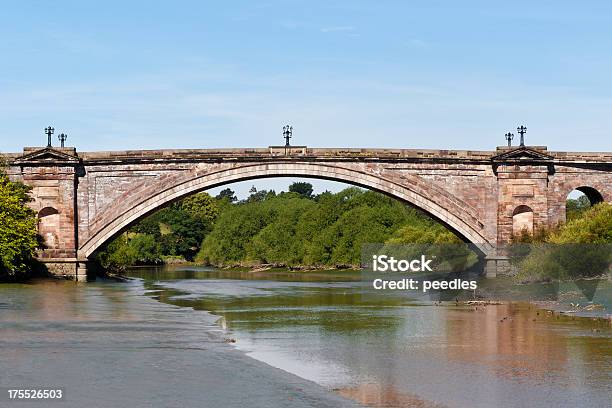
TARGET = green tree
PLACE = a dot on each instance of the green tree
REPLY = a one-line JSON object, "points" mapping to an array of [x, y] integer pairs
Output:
{"points": [[260, 195], [185, 233], [302, 188], [277, 242], [227, 194], [129, 250], [18, 232], [575, 207], [201, 207], [232, 233]]}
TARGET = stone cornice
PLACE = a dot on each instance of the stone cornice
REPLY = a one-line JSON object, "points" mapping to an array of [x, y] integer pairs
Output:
{"points": [[522, 154], [48, 156]]}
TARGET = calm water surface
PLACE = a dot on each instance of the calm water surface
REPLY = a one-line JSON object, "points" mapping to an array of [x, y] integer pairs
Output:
{"points": [[391, 351], [108, 345]]}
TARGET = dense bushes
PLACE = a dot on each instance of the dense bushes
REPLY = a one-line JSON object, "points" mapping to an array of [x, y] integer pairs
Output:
{"points": [[292, 228], [296, 228], [594, 226], [131, 250], [173, 232], [580, 248]]}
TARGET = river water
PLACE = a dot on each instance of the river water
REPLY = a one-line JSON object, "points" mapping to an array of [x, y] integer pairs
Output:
{"points": [[392, 351], [167, 338], [108, 345]]}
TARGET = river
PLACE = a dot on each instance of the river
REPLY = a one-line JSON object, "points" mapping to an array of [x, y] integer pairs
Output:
{"points": [[193, 336], [393, 351]]}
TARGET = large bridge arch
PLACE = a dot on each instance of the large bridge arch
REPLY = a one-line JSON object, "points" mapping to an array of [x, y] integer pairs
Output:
{"points": [[440, 204]]}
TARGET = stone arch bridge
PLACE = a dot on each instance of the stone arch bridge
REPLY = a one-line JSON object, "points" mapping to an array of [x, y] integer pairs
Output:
{"points": [[84, 199]]}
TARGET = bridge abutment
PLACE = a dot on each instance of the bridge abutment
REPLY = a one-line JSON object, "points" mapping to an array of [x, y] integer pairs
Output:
{"points": [[84, 271], [68, 268], [497, 265]]}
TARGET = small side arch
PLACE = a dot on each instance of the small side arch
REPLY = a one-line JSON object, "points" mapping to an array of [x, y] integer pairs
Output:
{"points": [[48, 226], [594, 196], [579, 200], [47, 212], [522, 220]]}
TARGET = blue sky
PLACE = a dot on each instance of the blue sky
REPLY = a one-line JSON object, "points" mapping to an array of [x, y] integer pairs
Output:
{"points": [[202, 74]]}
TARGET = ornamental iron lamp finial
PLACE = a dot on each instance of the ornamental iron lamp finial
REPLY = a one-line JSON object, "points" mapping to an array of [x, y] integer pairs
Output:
{"points": [[287, 134], [62, 138], [522, 130], [509, 137], [49, 131]]}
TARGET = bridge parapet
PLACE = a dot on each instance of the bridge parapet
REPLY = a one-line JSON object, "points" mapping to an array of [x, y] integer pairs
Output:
{"points": [[306, 152]]}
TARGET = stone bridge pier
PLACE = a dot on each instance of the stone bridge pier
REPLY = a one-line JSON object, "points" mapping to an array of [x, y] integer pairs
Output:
{"points": [[84, 199]]}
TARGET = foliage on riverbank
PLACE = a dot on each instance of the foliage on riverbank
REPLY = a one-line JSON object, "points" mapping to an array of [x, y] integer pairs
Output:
{"points": [[575, 207], [580, 248], [297, 229], [18, 234], [291, 228], [174, 232]]}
